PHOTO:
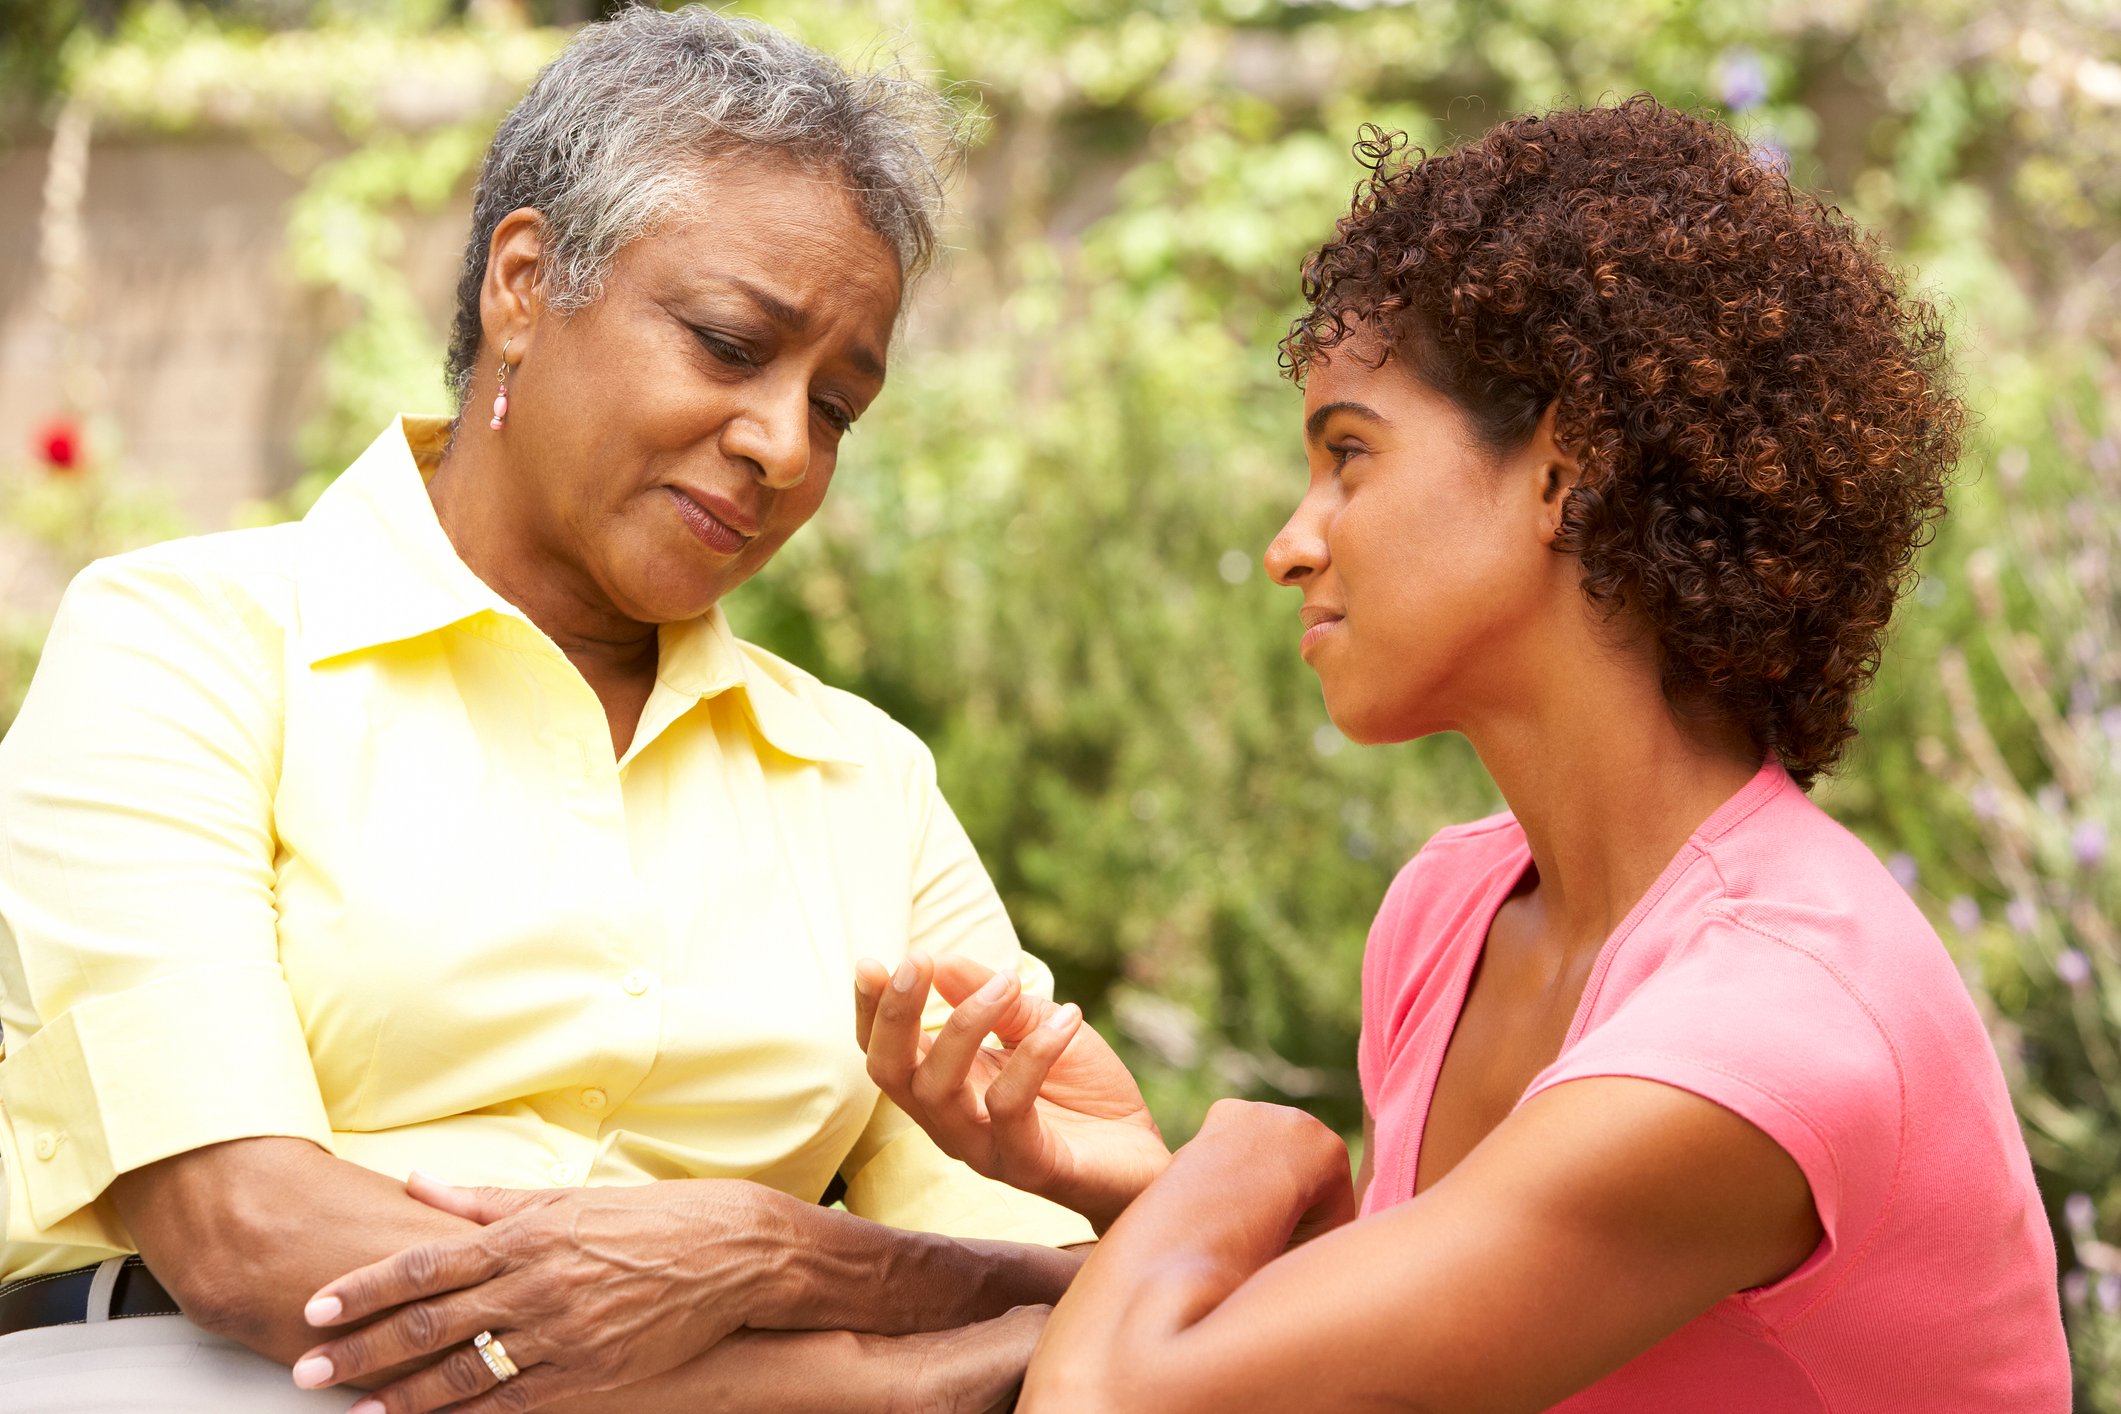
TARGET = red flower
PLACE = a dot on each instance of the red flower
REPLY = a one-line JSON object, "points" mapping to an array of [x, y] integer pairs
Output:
{"points": [[59, 444]]}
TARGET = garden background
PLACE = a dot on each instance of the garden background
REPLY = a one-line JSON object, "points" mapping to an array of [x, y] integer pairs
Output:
{"points": [[228, 233]]}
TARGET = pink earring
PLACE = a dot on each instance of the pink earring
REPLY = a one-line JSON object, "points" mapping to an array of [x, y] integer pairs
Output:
{"points": [[500, 399]]}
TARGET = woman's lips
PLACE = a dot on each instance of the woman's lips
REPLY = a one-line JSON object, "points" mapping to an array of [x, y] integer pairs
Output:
{"points": [[713, 531], [1314, 635]]}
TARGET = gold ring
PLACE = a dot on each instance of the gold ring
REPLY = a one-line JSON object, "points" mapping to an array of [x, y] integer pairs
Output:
{"points": [[495, 1355]]}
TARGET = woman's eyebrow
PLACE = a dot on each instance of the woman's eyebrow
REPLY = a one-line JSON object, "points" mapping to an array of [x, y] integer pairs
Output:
{"points": [[787, 316], [776, 309], [1316, 422]]}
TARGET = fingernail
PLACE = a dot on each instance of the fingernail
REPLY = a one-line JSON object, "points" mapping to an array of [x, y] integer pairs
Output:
{"points": [[323, 1311], [862, 983], [903, 979], [312, 1372], [367, 1406], [1064, 1018], [995, 989]]}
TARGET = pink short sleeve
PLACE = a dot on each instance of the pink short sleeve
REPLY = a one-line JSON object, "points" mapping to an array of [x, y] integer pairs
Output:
{"points": [[1767, 1028]]}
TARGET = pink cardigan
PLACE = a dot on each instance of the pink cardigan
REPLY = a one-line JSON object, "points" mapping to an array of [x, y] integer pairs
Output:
{"points": [[1776, 969]]}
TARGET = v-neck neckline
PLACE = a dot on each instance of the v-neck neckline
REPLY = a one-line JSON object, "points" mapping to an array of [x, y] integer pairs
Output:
{"points": [[1498, 891]]}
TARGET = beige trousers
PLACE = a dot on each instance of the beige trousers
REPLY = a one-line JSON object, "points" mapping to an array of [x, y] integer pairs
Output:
{"points": [[147, 1365]]}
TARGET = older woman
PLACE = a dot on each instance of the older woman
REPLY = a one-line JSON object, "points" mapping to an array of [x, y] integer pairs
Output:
{"points": [[450, 830], [1619, 450]]}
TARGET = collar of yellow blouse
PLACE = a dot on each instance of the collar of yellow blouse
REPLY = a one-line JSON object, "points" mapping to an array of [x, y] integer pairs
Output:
{"points": [[379, 570]]}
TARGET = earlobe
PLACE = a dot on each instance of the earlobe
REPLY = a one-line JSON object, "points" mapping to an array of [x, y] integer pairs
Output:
{"points": [[1559, 479], [500, 397], [1558, 474]]}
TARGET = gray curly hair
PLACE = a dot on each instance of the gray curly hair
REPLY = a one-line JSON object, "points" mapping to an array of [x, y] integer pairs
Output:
{"points": [[617, 127]]}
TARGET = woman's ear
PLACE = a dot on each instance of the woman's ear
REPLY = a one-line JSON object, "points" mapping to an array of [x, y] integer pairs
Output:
{"points": [[509, 296], [1557, 472]]}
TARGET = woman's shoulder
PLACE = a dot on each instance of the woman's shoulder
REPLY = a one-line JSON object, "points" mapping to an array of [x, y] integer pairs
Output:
{"points": [[1458, 863], [1447, 879], [1428, 917], [1791, 882], [1499, 832], [171, 653], [229, 586], [256, 565]]}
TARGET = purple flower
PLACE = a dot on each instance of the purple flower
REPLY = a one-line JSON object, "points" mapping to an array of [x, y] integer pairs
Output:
{"points": [[2088, 843], [1772, 155], [2080, 1213], [1964, 913], [2023, 915], [2110, 719], [2076, 1285], [1745, 80], [2014, 463], [1902, 867], [2106, 455], [2073, 967], [1984, 801], [2109, 1292]]}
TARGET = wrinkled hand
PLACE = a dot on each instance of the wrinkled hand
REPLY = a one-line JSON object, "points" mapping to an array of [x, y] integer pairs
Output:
{"points": [[975, 1369], [1052, 1111], [587, 1288]]}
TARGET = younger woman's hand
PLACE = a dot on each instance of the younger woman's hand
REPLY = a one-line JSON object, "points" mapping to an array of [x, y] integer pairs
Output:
{"points": [[1280, 1153], [1051, 1111]]}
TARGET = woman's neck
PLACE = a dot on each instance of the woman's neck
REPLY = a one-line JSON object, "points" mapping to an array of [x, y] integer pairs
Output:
{"points": [[497, 537], [1608, 783]]}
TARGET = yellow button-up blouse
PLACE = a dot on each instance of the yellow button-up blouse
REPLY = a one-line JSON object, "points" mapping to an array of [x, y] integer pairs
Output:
{"points": [[305, 831]]}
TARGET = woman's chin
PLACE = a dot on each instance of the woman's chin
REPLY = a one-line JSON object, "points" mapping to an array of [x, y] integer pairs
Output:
{"points": [[1372, 723], [1357, 726], [671, 588]]}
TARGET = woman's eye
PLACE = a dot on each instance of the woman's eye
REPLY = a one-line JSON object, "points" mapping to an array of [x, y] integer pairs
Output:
{"points": [[1341, 453], [724, 350], [835, 416]]}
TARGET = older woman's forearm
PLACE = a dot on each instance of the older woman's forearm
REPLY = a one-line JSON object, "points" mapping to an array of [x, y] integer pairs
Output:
{"points": [[841, 1272], [968, 1371], [243, 1233]]}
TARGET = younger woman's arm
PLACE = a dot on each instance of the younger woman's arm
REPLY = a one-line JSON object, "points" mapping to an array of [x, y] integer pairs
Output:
{"points": [[1600, 1217]]}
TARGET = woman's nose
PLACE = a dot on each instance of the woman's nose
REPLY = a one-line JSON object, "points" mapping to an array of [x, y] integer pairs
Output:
{"points": [[774, 436], [1299, 551]]}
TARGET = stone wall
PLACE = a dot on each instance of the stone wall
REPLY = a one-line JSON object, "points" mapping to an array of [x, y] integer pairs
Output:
{"points": [[201, 352]]}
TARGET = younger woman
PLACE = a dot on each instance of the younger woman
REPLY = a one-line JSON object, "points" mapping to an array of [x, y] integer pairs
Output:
{"points": [[1619, 451]]}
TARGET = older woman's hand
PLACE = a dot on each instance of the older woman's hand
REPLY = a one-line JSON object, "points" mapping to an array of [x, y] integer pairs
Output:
{"points": [[587, 1288]]}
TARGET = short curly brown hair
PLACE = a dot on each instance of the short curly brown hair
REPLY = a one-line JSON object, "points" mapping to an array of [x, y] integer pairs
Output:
{"points": [[1762, 412]]}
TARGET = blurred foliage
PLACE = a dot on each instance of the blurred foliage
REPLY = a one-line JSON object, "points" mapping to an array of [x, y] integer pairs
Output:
{"points": [[1042, 551], [2032, 787], [73, 510]]}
